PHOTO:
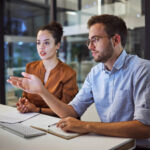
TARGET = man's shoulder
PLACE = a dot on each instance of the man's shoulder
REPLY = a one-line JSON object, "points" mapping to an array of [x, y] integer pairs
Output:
{"points": [[136, 63]]}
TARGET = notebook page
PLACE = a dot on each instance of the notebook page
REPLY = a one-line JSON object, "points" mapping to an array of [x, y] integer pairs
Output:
{"points": [[60, 132]]}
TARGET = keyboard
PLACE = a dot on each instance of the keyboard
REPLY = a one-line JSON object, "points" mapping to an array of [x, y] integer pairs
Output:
{"points": [[22, 130]]}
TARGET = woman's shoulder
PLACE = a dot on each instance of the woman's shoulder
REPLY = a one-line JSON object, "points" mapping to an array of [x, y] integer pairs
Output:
{"points": [[66, 68], [33, 65]]}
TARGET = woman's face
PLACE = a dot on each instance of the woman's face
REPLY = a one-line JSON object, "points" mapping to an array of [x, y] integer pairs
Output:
{"points": [[46, 46]]}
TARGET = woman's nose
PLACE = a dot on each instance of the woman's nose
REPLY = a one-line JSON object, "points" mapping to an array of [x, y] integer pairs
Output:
{"points": [[42, 46]]}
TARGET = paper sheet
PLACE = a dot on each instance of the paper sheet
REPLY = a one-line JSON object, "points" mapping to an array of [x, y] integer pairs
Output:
{"points": [[14, 116]]}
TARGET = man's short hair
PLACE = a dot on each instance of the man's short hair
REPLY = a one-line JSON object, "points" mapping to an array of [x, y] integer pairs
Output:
{"points": [[113, 25]]}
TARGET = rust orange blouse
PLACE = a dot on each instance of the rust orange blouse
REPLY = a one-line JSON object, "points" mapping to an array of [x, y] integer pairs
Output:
{"points": [[61, 82]]}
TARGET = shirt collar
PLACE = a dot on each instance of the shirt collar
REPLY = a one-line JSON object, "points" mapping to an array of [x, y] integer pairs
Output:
{"points": [[119, 62]]}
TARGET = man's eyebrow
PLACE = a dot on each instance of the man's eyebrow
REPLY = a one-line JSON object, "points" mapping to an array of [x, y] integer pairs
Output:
{"points": [[94, 36]]}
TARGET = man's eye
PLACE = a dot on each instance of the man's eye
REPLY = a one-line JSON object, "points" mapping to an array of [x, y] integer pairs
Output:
{"points": [[94, 39]]}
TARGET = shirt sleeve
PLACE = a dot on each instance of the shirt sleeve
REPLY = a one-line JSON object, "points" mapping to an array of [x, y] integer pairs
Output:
{"points": [[84, 98], [70, 89], [142, 94]]}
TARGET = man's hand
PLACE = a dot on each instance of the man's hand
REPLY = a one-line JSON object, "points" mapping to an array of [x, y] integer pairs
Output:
{"points": [[70, 124], [30, 83]]}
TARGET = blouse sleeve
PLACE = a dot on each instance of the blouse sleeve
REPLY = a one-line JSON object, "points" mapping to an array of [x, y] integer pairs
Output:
{"points": [[24, 94], [70, 88]]}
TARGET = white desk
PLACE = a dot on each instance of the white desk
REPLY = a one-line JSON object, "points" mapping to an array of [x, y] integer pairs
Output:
{"points": [[9, 141]]}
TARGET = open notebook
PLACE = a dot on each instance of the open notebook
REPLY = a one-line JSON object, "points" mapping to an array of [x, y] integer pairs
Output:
{"points": [[58, 132]]}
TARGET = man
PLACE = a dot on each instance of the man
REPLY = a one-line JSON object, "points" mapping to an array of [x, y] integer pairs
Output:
{"points": [[119, 86]]}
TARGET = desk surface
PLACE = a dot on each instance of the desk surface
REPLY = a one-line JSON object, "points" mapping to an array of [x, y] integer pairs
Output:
{"points": [[9, 141]]}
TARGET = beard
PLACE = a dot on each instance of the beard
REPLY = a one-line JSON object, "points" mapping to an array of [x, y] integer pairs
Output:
{"points": [[105, 54]]}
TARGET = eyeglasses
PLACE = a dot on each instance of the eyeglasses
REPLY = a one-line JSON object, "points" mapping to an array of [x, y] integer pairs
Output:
{"points": [[95, 39]]}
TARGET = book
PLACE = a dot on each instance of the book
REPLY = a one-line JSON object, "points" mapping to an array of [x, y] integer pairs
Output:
{"points": [[58, 132]]}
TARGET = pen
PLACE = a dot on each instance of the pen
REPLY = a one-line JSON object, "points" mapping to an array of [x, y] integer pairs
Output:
{"points": [[52, 125]]}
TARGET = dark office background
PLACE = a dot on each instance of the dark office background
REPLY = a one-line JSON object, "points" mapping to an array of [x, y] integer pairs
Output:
{"points": [[21, 19]]}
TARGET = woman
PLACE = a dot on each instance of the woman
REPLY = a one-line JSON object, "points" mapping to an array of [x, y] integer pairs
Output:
{"points": [[56, 76]]}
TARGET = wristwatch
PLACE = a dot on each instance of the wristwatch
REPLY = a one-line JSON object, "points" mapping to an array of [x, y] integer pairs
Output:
{"points": [[40, 110]]}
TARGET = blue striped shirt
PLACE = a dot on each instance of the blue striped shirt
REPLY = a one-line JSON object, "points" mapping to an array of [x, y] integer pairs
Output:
{"points": [[121, 94]]}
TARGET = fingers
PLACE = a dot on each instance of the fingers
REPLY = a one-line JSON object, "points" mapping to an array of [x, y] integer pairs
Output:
{"points": [[20, 101], [22, 105], [10, 81], [26, 75], [14, 81], [64, 124], [13, 78], [23, 109], [61, 124], [22, 86]]}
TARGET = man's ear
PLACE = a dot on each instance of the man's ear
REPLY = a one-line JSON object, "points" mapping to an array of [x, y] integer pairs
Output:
{"points": [[116, 39]]}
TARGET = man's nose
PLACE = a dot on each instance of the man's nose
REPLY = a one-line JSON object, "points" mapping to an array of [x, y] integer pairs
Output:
{"points": [[91, 46]]}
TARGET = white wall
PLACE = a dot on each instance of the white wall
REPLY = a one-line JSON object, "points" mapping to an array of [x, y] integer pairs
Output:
{"points": [[91, 114]]}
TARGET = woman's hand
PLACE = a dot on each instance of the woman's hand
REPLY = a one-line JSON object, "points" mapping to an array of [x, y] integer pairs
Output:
{"points": [[24, 106], [21, 105]]}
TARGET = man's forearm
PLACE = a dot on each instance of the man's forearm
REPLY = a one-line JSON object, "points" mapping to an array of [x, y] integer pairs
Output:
{"points": [[47, 111], [57, 106], [129, 129]]}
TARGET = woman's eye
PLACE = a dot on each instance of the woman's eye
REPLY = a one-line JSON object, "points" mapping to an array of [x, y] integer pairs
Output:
{"points": [[37, 43], [46, 43]]}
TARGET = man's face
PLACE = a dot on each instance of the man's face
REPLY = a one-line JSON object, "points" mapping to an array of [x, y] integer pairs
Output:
{"points": [[100, 43]]}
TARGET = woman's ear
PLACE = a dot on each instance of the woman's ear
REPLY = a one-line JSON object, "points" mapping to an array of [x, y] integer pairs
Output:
{"points": [[58, 45]]}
